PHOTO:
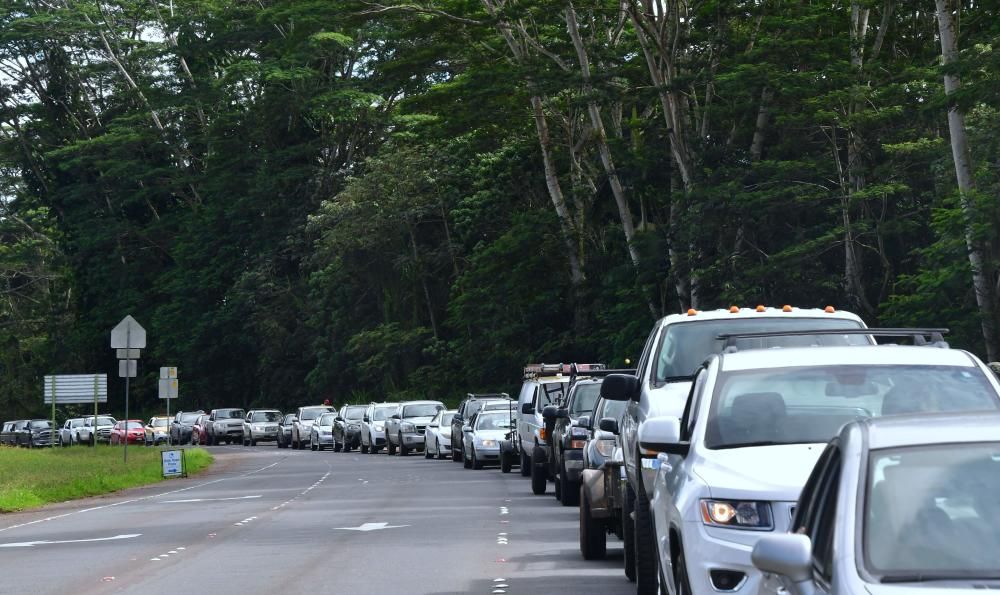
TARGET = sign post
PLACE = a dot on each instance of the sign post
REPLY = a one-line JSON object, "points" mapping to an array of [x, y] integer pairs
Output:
{"points": [[128, 337], [168, 388]]}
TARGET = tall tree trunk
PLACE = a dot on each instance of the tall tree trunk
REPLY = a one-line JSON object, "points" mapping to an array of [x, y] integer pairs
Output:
{"points": [[423, 280], [982, 270]]}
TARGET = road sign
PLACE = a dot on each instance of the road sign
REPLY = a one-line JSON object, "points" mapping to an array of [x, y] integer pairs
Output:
{"points": [[127, 367], [172, 463], [76, 388], [169, 372], [127, 353], [129, 334], [168, 389]]}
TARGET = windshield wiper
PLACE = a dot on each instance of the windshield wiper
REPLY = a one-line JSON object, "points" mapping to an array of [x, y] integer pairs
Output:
{"points": [[921, 578]]}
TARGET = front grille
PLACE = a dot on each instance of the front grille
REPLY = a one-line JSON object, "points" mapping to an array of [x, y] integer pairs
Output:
{"points": [[421, 430], [105, 432]]}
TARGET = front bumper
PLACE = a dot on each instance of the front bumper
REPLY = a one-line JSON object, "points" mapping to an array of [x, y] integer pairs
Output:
{"points": [[413, 440], [323, 439], [263, 435], [716, 548], [444, 445], [487, 455]]}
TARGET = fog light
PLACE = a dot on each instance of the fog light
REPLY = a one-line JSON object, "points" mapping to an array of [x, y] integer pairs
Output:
{"points": [[726, 580]]}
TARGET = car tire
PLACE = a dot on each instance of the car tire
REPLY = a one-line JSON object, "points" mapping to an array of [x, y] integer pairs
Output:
{"points": [[476, 463], [539, 478], [313, 446], [557, 488], [336, 446], [682, 585], [645, 548], [628, 533], [403, 451], [427, 453], [505, 462], [456, 455], [252, 441], [593, 532], [525, 464], [390, 448], [364, 449], [570, 490]]}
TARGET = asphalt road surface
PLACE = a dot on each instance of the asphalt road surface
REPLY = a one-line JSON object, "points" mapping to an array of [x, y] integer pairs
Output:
{"points": [[265, 520]]}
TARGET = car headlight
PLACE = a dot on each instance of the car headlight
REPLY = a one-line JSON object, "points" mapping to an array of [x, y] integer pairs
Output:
{"points": [[379, 426], [407, 427], [736, 514], [605, 448], [487, 443]]}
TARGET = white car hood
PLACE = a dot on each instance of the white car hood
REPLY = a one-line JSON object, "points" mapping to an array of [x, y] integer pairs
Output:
{"points": [[775, 473], [490, 434], [668, 400], [418, 420]]}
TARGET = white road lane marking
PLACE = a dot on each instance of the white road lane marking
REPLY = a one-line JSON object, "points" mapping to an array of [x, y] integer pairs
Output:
{"points": [[211, 499], [34, 543], [371, 527]]}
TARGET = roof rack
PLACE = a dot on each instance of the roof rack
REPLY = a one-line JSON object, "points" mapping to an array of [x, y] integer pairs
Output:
{"points": [[488, 395], [919, 335]]}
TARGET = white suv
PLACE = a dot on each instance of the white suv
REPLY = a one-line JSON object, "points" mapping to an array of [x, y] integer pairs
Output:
{"points": [[544, 385], [756, 422], [676, 347]]}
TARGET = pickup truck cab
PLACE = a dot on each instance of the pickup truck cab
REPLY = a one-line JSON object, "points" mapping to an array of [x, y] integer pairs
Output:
{"points": [[570, 432], [225, 425], [673, 352]]}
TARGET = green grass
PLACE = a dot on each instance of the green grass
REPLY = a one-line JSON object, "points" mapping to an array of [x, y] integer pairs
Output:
{"points": [[32, 478]]}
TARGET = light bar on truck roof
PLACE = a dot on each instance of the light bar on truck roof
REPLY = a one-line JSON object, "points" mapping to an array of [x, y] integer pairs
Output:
{"points": [[919, 335]]}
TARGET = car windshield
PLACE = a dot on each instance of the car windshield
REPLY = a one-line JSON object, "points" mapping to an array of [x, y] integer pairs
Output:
{"points": [[272, 416], [190, 418], [422, 410], [612, 409], [101, 421], [313, 413], [134, 425], [76, 423], [493, 421], [326, 419], [160, 422], [810, 404], [355, 413], [931, 512], [446, 419], [685, 345], [289, 418], [381, 413], [230, 414], [550, 393], [585, 398], [37, 425]]}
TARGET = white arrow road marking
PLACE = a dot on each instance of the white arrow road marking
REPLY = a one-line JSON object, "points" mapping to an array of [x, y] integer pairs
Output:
{"points": [[34, 543], [371, 527], [211, 499]]}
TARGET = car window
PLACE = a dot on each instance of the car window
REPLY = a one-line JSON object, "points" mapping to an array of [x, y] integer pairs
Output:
{"points": [[694, 398], [421, 410], [311, 414], [820, 523], [271, 416], [446, 419], [355, 412], [326, 419], [289, 419], [685, 345], [585, 398], [161, 422], [646, 349], [39, 424], [809, 404], [493, 421], [382, 413], [549, 393], [190, 417], [133, 425]]}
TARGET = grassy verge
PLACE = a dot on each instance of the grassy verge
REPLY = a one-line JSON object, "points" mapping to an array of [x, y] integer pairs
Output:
{"points": [[32, 478]]}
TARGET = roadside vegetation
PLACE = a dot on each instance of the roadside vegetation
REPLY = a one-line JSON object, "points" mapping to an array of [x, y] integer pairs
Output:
{"points": [[33, 478]]}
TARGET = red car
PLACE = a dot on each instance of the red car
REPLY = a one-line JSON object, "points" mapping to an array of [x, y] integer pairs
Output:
{"points": [[199, 430], [135, 433]]}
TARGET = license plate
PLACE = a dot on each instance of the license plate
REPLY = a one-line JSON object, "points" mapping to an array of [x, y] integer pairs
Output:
{"points": [[651, 463]]}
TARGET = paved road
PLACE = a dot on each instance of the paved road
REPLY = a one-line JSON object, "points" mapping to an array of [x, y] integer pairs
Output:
{"points": [[266, 520]]}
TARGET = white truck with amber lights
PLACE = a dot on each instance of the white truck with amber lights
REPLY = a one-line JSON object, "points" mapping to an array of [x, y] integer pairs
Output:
{"points": [[731, 469], [676, 347]]}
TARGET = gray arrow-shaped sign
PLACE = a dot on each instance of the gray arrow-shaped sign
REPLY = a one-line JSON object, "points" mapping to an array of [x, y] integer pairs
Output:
{"points": [[129, 334]]}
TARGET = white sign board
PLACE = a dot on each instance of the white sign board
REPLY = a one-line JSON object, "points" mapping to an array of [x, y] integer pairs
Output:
{"points": [[168, 388], [127, 353], [127, 367], [75, 388], [170, 372], [129, 334], [172, 463]]}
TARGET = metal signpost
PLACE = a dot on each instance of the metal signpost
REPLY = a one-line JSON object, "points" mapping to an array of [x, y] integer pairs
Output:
{"points": [[75, 388], [168, 389], [128, 337]]}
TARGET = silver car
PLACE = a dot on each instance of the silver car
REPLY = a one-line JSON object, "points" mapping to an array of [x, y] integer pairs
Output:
{"points": [[321, 431], [482, 441], [260, 425], [373, 426], [437, 438], [284, 436], [303, 422], [405, 428], [102, 427], [901, 504], [69, 433]]}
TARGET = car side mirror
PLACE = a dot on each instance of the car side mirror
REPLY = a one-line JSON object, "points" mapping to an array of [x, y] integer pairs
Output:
{"points": [[366, 419], [466, 428], [527, 409], [608, 424], [396, 416], [338, 418], [788, 555], [620, 387], [663, 434]]}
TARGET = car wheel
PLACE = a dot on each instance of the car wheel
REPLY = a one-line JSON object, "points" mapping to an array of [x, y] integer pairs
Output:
{"points": [[456, 455], [466, 463], [427, 453], [681, 582], [593, 532], [570, 490], [476, 463], [525, 464], [390, 448], [645, 547], [628, 532], [505, 462], [557, 489], [313, 446], [403, 451], [364, 448], [539, 478], [252, 441]]}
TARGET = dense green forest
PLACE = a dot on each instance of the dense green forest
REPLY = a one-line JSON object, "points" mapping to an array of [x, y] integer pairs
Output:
{"points": [[354, 200]]}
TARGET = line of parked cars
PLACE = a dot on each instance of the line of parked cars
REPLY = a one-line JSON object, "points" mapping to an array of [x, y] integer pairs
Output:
{"points": [[771, 451]]}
